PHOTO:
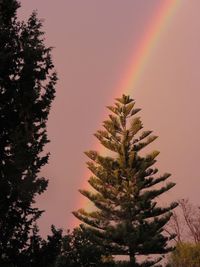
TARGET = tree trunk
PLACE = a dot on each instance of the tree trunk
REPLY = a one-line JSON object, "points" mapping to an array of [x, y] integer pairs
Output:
{"points": [[132, 258]]}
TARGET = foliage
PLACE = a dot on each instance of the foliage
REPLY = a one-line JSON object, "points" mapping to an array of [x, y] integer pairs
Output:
{"points": [[27, 82], [79, 250], [128, 220], [185, 222], [185, 255], [42, 252]]}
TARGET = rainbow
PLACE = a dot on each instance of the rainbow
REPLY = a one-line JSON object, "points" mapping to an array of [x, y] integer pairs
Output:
{"points": [[141, 57]]}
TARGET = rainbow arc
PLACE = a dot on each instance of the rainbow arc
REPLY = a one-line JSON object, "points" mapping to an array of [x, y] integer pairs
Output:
{"points": [[140, 58]]}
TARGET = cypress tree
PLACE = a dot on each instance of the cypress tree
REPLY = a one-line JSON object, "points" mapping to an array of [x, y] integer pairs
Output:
{"points": [[27, 88], [128, 219]]}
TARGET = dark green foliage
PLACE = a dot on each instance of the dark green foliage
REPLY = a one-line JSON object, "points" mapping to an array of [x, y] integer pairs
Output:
{"points": [[41, 252], [27, 82], [128, 220], [79, 250]]}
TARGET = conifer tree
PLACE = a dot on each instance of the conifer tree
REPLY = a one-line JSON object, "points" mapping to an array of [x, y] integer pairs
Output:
{"points": [[27, 88], [128, 219], [79, 250]]}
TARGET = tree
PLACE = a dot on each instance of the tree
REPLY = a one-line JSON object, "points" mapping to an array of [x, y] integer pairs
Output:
{"points": [[185, 222], [78, 249], [128, 219], [40, 252], [27, 88]]}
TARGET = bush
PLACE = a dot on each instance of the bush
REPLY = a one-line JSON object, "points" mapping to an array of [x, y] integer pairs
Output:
{"points": [[185, 255]]}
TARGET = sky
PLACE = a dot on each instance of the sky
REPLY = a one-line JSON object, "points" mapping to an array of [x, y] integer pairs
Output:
{"points": [[95, 43]]}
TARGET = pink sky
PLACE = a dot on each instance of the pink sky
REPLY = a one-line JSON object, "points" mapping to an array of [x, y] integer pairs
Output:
{"points": [[93, 42]]}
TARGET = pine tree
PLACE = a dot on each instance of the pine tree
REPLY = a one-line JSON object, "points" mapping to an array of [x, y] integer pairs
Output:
{"points": [[128, 219], [78, 249], [40, 252], [27, 88]]}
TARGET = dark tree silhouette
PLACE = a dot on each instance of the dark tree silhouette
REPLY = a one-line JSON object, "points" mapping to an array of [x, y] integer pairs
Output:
{"points": [[42, 252], [27, 81], [128, 219], [78, 249]]}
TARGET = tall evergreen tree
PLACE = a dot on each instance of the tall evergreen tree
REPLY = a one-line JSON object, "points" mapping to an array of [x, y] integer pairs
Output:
{"points": [[27, 88], [128, 219]]}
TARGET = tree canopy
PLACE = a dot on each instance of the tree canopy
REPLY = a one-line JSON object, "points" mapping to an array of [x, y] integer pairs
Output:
{"points": [[128, 219], [27, 88]]}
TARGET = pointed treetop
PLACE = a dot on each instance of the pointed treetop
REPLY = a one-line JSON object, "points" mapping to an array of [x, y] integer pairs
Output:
{"points": [[124, 106], [125, 99]]}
